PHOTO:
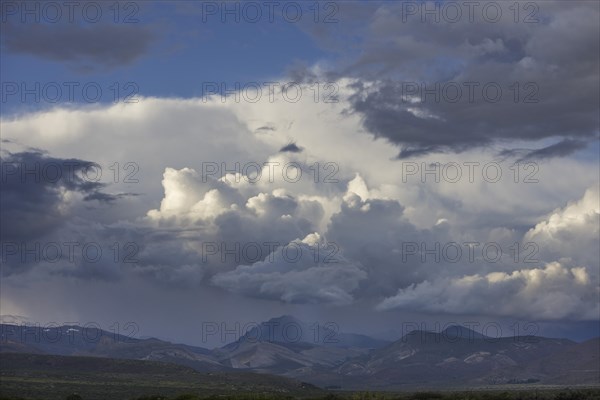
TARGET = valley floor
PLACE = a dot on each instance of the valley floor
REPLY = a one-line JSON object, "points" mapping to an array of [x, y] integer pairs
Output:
{"points": [[37, 377]]}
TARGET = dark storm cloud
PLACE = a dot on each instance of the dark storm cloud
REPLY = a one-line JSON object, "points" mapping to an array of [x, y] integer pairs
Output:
{"points": [[560, 149], [441, 126], [291, 148], [83, 47], [108, 198], [413, 78], [32, 192]]}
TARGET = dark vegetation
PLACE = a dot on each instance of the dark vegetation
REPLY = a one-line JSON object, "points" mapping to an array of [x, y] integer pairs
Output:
{"points": [[36, 376], [542, 394]]}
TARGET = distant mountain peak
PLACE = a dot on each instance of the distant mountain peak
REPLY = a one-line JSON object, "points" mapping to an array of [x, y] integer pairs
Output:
{"points": [[460, 331], [275, 329], [449, 334]]}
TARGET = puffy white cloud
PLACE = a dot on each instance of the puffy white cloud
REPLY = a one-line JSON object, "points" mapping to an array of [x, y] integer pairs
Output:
{"points": [[581, 215], [552, 292], [568, 288], [573, 232], [189, 197]]}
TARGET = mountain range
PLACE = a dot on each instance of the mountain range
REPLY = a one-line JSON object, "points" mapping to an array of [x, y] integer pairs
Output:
{"points": [[320, 355]]}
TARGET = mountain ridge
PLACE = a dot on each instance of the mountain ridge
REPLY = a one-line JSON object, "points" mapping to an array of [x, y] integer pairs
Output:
{"points": [[456, 355]]}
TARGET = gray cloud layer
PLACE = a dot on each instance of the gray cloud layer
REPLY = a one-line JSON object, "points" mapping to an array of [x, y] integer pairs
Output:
{"points": [[555, 66], [82, 47]]}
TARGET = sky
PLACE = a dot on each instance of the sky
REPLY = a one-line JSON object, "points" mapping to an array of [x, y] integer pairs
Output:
{"points": [[377, 165]]}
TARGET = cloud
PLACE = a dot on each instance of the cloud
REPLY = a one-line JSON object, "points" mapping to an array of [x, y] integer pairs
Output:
{"points": [[37, 191], [303, 271], [564, 289], [560, 149], [361, 204], [578, 216], [572, 231], [292, 148], [188, 199], [413, 77], [193, 199], [83, 47], [371, 231], [209, 216], [552, 292]]}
